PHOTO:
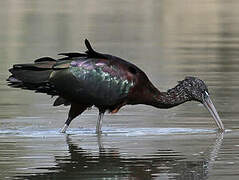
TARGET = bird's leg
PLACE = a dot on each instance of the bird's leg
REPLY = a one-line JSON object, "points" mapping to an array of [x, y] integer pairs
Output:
{"points": [[100, 144], [64, 128], [99, 122], [75, 110]]}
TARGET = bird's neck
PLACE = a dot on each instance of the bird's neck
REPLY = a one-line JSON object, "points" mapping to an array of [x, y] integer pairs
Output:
{"points": [[171, 98]]}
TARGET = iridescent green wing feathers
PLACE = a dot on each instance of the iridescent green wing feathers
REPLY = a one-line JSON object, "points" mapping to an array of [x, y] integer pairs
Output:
{"points": [[93, 80], [89, 78]]}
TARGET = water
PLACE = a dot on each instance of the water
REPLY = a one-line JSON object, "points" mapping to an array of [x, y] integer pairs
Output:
{"points": [[168, 40]]}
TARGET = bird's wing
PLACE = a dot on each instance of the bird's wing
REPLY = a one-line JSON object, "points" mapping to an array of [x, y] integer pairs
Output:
{"points": [[92, 81]]}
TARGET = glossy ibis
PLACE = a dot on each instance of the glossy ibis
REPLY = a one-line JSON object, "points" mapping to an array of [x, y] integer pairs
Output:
{"points": [[82, 80]]}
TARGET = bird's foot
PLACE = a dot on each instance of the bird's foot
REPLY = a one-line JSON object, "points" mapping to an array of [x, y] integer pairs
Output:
{"points": [[98, 131], [63, 130]]}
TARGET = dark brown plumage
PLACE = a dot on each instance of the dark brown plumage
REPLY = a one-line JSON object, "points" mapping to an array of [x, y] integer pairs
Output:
{"points": [[108, 82]]}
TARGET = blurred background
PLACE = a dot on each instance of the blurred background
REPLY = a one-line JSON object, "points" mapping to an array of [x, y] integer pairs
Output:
{"points": [[167, 39]]}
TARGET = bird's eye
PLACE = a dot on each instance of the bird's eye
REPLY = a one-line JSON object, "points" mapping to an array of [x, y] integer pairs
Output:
{"points": [[205, 94], [132, 70]]}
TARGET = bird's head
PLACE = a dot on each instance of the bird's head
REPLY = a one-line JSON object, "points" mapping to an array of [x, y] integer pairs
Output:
{"points": [[197, 90]]}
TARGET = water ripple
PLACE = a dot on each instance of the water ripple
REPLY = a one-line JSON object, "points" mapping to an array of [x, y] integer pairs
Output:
{"points": [[107, 131]]}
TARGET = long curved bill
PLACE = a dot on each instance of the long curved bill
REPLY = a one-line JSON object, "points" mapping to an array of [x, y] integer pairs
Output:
{"points": [[207, 102]]}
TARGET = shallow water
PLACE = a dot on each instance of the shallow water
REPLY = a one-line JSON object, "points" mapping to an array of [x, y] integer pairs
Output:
{"points": [[168, 40]]}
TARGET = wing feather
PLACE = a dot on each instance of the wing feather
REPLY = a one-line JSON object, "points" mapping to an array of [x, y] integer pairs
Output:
{"points": [[93, 81]]}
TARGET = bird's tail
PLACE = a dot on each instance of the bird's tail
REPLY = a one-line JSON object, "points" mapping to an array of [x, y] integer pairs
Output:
{"points": [[33, 76]]}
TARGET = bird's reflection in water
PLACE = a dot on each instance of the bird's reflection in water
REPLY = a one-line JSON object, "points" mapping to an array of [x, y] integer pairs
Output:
{"points": [[109, 163]]}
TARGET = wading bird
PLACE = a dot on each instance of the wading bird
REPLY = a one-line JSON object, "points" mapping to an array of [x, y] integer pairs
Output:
{"points": [[82, 80]]}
